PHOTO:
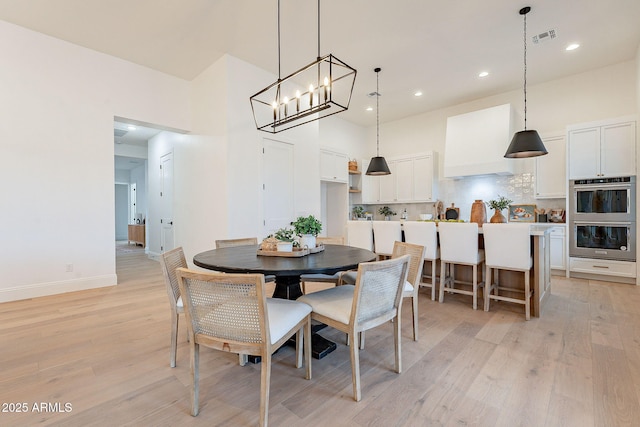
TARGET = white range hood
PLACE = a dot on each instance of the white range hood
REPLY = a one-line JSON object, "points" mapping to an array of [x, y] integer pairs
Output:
{"points": [[476, 143]]}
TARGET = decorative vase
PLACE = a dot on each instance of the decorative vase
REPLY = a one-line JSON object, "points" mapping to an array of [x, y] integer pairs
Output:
{"points": [[285, 247], [308, 240], [498, 217], [478, 212], [387, 218]]}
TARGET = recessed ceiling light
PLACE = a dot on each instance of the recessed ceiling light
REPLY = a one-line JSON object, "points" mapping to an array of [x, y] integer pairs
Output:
{"points": [[369, 108], [572, 46], [131, 127], [418, 93], [483, 74]]}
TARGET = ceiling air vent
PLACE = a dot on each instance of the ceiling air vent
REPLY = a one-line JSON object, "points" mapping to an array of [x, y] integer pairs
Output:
{"points": [[543, 37], [120, 132]]}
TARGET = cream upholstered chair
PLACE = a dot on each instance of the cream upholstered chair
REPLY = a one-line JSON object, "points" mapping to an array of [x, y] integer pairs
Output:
{"points": [[425, 234], [170, 261], [374, 300], [230, 312], [360, 234], [515, 255], [385, 234], [323, 278], [459, 245], [412, 284], [243, 241]]}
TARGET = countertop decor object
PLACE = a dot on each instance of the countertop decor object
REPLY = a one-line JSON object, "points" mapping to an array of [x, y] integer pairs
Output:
{"points": [[478, 212], [386, 212], [499, 205], [452, 212], [526, 143], [522, 213]]}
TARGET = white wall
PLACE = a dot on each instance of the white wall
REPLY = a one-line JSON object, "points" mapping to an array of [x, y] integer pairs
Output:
{"points": [[59, 102]]}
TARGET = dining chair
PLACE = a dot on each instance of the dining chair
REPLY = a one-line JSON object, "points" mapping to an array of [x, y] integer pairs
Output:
{"points": [[517, 257], [230, 312], [373, 300], [412, 284], [459, 246], [170, 261], [243, 241], [385, 234], [319, 277], [360, 234], [425, 234]]}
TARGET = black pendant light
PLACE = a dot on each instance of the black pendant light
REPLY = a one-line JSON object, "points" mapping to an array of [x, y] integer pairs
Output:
{"points": [[378, 165], [526, 143]]}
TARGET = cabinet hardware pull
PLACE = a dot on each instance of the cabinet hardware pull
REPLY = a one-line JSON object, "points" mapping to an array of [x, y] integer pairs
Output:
{"points": [[600, 266]]}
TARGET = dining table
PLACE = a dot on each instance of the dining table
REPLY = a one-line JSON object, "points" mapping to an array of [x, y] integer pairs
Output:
{"points": [[287, 271]]}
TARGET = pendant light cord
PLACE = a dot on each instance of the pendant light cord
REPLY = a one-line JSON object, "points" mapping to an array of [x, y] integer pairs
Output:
{"points": [[279, 74], [378, 112], [525, 70], [318, 29]]}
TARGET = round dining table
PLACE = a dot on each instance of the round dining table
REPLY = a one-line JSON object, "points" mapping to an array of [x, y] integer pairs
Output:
{"points": [[287, 270]]}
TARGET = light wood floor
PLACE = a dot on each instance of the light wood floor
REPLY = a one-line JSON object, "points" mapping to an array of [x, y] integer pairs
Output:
{"points": [[106, 352]]}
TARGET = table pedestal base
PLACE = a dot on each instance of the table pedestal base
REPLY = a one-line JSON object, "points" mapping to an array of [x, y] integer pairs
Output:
{"points": [[287, 287]]}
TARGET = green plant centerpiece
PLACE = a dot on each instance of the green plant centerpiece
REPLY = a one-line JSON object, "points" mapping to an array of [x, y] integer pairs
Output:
{"points": [[386, 212], [285, 235], [307, 227], [499, 204]]}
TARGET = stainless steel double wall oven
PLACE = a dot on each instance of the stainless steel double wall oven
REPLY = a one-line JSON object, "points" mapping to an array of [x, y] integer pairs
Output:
{"points": [[602, 221]]}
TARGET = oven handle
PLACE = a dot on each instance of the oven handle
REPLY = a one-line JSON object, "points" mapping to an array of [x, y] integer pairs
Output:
{"points": [[602, 187], [603, 223]]}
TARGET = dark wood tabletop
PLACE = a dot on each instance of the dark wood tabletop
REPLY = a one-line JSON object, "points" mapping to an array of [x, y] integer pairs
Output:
{"points": [[245, 259]]}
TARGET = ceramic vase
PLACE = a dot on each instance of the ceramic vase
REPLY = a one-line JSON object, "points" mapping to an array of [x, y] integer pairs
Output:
{"points": [[498, 217], [478, 212], [308, 241]]}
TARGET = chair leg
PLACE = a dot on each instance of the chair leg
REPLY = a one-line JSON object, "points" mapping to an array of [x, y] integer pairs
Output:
{"points": [[443, 280], [475, 286], [397, 343], [355, 368], [527, 299], [265, 381], [242, 359], [195, 378], [174, 339], [307, 347], [433, 279], [414, 311], [361, 336], [299, 340], [302, 287], [488, 284]]}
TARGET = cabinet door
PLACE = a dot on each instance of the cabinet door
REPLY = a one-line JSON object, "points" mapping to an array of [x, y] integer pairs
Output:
{"points": [[326, 165], [584, 153], [370, 186], [404, 180], [551, 174], [423, 179], [557, 249], [341, 167], [388, 184], [618, 150], [333, 166]]}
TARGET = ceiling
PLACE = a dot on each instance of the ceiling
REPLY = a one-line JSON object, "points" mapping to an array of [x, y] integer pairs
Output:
{"points": [[437, 47]]}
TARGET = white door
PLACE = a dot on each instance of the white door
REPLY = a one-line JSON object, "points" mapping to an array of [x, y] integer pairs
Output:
{"points": [[277, 161], [166, 202]]}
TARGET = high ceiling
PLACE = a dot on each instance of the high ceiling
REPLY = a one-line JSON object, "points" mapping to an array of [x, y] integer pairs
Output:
{"points": [[437, 47]]}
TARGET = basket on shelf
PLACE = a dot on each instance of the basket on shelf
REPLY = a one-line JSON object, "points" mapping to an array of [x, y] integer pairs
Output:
{"points": [[353, 165]]}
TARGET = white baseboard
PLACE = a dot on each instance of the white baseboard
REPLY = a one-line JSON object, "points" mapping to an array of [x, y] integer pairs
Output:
{"points": [[52, 288]]}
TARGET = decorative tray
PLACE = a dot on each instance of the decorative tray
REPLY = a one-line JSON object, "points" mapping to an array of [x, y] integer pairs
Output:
{"points": [[296, 253]]}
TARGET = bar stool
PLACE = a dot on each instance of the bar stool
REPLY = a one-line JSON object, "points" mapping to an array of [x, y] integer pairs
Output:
{"points": [[385, 234], [514, 255], [459, 245], [360, 234], [425, 234]]}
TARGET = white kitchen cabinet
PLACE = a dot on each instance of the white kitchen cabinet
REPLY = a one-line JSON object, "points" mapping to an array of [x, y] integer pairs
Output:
{"points": [[411, 181], [551, 169], [334, 166], [557, 248], [608, 150]]}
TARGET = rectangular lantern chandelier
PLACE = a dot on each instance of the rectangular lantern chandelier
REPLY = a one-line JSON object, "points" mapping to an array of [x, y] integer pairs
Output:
{"points": [[319, 89]]}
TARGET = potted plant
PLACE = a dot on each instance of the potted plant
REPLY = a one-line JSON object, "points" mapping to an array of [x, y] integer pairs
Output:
{"points": [[499, 205], [307, 227], [286, 239], [386, 212], [358, 212]]}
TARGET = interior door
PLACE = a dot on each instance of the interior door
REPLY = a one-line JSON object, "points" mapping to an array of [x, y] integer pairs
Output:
{"points": [[278, 185], [166, 202]]}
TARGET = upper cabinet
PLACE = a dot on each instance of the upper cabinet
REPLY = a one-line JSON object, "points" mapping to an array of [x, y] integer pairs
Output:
{"points": [[551, 169], [411, 181], [607, 150], [334, 166]]}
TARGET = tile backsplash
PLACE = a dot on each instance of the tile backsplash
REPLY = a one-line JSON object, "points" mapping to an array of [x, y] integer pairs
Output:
{"points": [[463, 192]]}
